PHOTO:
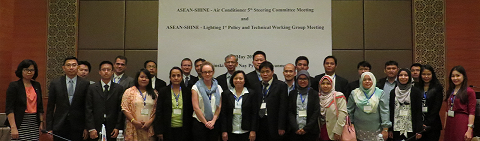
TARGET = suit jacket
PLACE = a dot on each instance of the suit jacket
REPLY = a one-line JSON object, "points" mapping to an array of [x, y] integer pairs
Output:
{"points": [[415, 106], [59, 110], [222, 81], [381, 83], [163, 118], [98, 104], [350, 87], [126, 82], [434, 104], [313, 112], [255, 82], [191, 81], [159, 84], [17, 101], [249, 111], [276, 100], [340, 83]]}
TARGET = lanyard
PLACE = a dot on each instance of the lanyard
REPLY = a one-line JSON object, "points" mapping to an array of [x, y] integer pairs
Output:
{"points": [[115, 79], [425, 95], [177, 96], [452, 101], [301, 97], [144, 97], [237, 99], [265, 93], [368, 98]]}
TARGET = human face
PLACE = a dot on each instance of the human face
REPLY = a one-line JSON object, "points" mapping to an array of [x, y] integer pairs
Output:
{"points": [[70, 68], [207, 72], [120, 66], [186, 67], [289, 72], [457, 78], [106, 72], [176, 77], [257, 60], [197, 66], [363, 69], [239, 80], [330, 66], [27, 73], [303, 81], [302, 65], [391, 71], [367, 82], [326, 86], [83, 71], [152, 68], [403, 77], [231, 63], [415, 72], [143, 80], [266, 74], [427, 76]]}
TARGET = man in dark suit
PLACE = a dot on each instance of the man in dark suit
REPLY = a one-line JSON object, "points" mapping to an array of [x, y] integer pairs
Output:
{"points": [[119, 76], [330, 64], [188, 80], [254, 77], [272, 105], [66, 103], [103, 104], [157, 83], [231, 62], [362, 67], [391, 69]]}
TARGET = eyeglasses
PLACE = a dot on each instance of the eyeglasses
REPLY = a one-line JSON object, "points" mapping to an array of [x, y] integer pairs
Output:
{"points": [[28, 70], [302, 79], [207, 72], [151, 66]]}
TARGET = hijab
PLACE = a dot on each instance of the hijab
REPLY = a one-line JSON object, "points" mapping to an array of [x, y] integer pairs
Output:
{"points": [[402, 91], [303, 90], [326, 99], [360, 94]]}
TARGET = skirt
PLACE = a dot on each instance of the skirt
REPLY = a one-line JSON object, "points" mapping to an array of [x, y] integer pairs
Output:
{"points": [[29, 129]]}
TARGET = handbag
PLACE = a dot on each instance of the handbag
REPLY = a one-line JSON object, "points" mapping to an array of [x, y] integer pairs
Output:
{"points": [[348, 133]]}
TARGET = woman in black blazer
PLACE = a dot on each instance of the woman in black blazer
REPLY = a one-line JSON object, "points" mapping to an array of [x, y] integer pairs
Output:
{"points": [[169, 124], [303, 98], [24, 103], [432, 99], [405, 108], [238, 116]]}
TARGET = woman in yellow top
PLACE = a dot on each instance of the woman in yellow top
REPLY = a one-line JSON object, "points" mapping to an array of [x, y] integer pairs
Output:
{"points": [[138, 105]]}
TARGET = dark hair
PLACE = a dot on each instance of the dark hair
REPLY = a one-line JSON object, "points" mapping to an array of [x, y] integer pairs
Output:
{"points": [[388, 63], [149, 88], [416, 65], [148, 61], [104, 62], [175, 68], [333, 57], [186, 59], [364, 64], [199, 59], [244, 78], [121, 58], [301, 58], [462, 92], [86, 63], [257, 53], [69, 58], [25, 64], [266, 64], [434, 82], [408, 72]]}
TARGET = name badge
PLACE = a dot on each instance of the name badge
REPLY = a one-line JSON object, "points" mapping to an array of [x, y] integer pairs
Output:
{"points": [[263, 106], [424, 109], [237, 111], [144, 111], [451, 113], [403, 113], [367, 108], [177, 111], [302, 113]]}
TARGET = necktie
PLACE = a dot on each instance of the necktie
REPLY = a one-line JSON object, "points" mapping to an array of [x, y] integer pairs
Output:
{"points": [[105, 92], [262, 112], [264, 90], [186, 81], [70, 91]]}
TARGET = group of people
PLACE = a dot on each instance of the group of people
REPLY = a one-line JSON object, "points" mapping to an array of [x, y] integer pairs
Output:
{"points": [[239, 106]]}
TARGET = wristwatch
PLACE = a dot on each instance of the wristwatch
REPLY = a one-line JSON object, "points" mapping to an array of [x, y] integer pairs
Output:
{"points": [[471, 126]]}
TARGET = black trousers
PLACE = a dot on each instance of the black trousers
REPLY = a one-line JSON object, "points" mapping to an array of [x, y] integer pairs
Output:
{"points": [[431, 135], [175, 134], [202, 133], [305, 137], [264, 133], [68, 132], [238, 137]]}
